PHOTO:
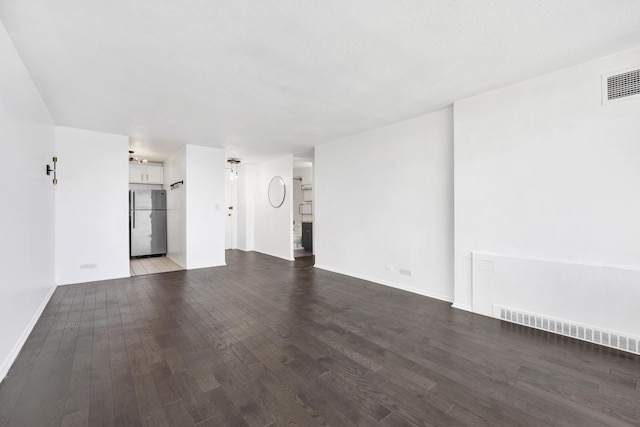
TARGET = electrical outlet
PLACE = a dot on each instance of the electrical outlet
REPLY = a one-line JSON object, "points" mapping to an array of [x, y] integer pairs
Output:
{"points": [[388, 267], [405, 272], [87, 266]]}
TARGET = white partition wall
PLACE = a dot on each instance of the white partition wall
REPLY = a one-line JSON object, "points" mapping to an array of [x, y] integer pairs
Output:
{"points": [[272, 227], [175, 169], [245, 208], [92, 208], [195, 210], [205, 207]]}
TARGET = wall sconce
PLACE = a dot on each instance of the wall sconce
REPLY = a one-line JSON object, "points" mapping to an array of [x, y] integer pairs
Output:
{"points": [[49, 170]]}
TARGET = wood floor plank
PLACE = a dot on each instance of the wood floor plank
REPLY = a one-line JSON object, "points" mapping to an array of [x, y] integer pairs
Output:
{"points": [[79, 418], [177, 414], [266, 342], [272, 368], [101, 392], [33, 394], [15, 381], [226, 414], [147, 398]]}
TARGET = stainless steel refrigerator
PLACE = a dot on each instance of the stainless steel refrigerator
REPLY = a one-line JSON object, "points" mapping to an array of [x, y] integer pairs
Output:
{"points": [[147, 222]]}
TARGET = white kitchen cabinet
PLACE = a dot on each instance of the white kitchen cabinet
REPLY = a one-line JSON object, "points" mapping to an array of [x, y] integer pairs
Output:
{"points": [[136, 173], [154, 174], [145, 173]]}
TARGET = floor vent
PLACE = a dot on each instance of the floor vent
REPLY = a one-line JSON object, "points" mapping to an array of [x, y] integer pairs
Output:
{"points": [[621, 85], [582, 332]]}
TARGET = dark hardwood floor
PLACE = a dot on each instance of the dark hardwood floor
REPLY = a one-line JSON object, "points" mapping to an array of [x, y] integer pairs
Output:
{"points": [[262, 342]]}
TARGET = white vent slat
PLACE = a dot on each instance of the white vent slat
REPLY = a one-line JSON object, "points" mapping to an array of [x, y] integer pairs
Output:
{"points": [[571, 329]]}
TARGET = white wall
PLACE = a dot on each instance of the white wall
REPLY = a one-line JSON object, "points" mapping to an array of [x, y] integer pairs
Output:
{"points": [[27, 232], [175, 169], [544, 171], [92, 208], [196, 211], [306, 173], [231, 215], [273, 227], [205, 206], [245, 206], [385, 198]]}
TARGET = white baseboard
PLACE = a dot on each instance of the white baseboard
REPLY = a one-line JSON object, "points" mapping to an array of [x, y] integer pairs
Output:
{"points": [[273, 255], [462, 307], [15, 351], [390, 284], [104, 279]]}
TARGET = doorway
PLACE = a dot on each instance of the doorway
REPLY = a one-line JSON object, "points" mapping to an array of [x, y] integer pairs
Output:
{"points": [[148, 229], [303, 211]]}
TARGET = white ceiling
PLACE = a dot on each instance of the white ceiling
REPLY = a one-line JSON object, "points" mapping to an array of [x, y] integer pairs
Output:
{"points": [[263, 78]]}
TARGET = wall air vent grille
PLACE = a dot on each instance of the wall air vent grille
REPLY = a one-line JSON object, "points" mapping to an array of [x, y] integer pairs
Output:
{"points": [[623, 85], [571, 329]]}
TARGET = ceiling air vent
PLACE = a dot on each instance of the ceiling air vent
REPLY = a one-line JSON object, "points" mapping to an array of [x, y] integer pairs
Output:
{"points": [[621, 85]]}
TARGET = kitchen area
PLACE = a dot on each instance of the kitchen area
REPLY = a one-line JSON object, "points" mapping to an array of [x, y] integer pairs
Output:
{"points": [[147, 219], [93, 212]]}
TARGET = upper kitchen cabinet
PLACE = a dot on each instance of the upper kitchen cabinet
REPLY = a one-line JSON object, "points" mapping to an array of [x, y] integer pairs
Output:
{"points": [[145, 173], [154, 174]]}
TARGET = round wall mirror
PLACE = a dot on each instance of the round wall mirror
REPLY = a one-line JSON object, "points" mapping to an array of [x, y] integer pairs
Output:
{"points": [[277, 191]]}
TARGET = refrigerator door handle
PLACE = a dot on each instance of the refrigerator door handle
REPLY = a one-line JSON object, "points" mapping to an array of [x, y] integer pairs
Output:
{"points": [[133, 209]]}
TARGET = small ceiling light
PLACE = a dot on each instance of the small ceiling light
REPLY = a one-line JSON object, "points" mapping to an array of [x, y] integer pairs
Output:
{"points": [[136, 159], [233, 174]]}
